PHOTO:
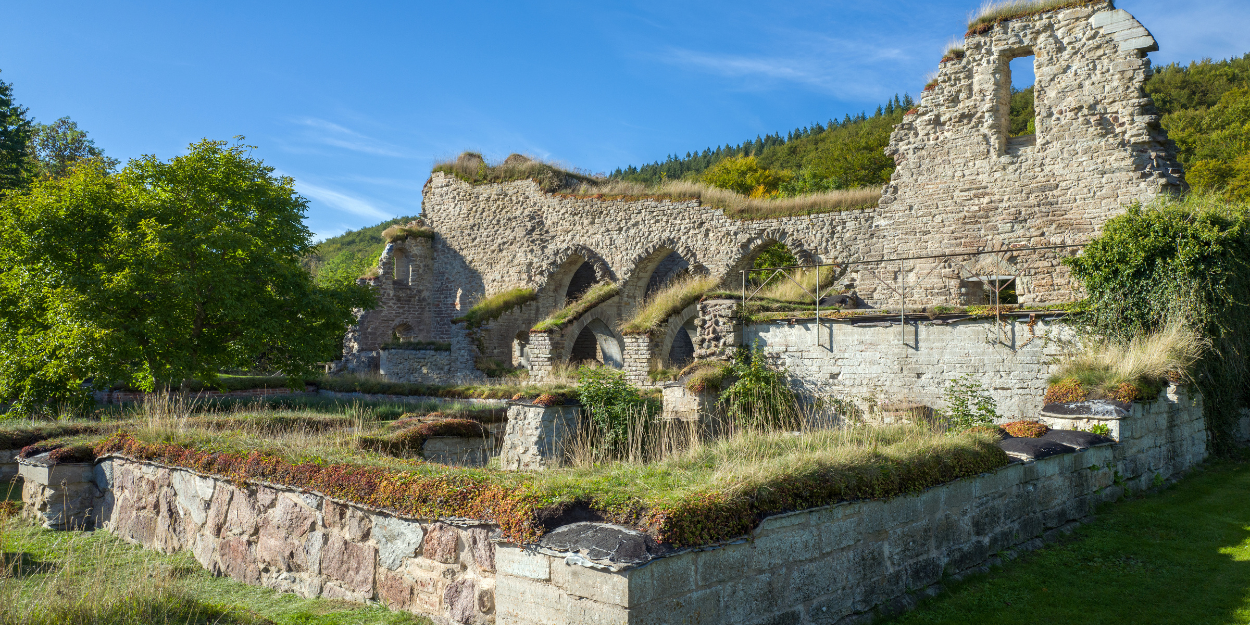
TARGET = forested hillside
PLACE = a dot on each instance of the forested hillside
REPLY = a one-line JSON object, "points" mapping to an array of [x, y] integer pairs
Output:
{"points": [[345, 257], [1205, 107]]}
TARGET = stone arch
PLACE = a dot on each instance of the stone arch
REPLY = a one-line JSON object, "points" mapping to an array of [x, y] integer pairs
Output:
{"points": [[644, 265], [603, 320], [596, 341], [560, 278], [750, 248], [403, 332], [678, 324]]}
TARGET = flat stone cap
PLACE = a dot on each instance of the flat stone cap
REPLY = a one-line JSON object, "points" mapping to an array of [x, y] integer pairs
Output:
{"points": [[1126, 30], [604, 544], [1092, 409]]}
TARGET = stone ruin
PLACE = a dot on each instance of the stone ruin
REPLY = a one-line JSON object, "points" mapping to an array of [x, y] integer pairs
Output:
{"points": [[961, 185]]}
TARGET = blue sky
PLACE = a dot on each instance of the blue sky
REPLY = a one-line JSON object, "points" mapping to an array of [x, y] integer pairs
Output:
{"points": [[356, 101]]}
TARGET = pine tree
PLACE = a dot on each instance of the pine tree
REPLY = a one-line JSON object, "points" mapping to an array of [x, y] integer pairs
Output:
{"points": [[15, 131]]}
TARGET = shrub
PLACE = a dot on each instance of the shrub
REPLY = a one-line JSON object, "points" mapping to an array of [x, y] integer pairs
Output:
{"points": [[593, 297], [743, 174], [611, 402], [1026, 429], [1185, 259], [1064, 391], [491, 308], [761, 397], [667, 302], [547, 399], [1101, 429], [968, 405], [1138, 368]]}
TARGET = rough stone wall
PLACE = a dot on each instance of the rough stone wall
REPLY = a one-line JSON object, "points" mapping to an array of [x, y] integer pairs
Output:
{"points": [[536, 435], [869, 363], [404, 288], [962, 183], [301, 542], [423, 366], [850, 562]]}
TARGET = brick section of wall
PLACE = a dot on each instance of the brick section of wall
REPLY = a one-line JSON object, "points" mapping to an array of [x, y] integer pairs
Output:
{"points": [[639, 356], [869, 363], [424, 366], [849, 562]]}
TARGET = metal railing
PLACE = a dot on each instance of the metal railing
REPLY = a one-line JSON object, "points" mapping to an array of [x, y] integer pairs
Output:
{"points": [[998, 283]]}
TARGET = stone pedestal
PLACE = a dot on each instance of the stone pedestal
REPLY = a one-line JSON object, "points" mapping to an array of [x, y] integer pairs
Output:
{"points": [[60, 496], [536, 435]]}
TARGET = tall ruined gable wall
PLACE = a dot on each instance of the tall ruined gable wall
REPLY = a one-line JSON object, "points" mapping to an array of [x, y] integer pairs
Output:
{"points": [[961, 182]]}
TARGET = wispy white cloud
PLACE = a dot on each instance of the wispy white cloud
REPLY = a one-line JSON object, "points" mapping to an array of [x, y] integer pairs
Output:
{"points": [[342, 201], [332, 134]]}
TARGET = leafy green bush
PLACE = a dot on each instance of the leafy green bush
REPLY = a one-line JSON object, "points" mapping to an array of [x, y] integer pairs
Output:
{"points": [[968, 405], [760, 398], [1184, 259], [611, 402], [744, 175]]}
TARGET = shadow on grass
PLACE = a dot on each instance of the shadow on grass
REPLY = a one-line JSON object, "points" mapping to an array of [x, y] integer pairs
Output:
{"points": [[1177, 556], [19, 564]]}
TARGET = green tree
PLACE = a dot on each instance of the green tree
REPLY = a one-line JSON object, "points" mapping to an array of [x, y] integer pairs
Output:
{"points": [[744, 175], [56, 147], [15, 130], [166, 271]]}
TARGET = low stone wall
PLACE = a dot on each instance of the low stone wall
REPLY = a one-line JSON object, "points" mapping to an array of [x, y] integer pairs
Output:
{"points": [[850, 562], [411, 399], [301, 542], [117, 397], [417, 366], [869, 362]]}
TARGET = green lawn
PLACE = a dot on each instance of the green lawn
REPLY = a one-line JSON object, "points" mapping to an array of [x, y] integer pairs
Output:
{"points": [[1179, 556], [94, 578]]}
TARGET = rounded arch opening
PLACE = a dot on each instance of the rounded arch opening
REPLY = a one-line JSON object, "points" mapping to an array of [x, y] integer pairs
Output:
{"points": [[765, 277], [597, 343], [584, 278]]}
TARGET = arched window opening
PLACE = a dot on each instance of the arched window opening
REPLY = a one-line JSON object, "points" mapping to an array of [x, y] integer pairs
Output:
{"points": [[402, 333], [671, 267], [582, 280], [682, 351], [402, 267], [597, 343]]}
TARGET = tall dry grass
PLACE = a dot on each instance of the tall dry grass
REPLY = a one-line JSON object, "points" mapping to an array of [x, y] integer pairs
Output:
{"points": [[668, 301], [994, 11], [797, 285], [1153, 359], [735, 204]]}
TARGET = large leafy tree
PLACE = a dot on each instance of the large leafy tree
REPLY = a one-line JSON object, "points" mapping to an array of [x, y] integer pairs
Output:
{"points": [[165, 271], [56, 147], [15, 131]]}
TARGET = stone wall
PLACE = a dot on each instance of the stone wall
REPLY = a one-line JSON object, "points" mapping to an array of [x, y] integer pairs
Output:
{"points": [[536, 436], [960, 186], [301, 542], [420, 366], [868, 362], [850, 562]]}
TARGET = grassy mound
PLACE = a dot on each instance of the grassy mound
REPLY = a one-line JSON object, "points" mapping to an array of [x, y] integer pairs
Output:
{"points": [[667, 302], [994, 12], [1128, 371], [491, 308]]}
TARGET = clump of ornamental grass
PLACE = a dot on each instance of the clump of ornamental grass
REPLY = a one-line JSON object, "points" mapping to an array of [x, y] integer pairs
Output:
{"points": [[703, 376], [997, 11], [668, 301], [1128, 371], [593, 297]]}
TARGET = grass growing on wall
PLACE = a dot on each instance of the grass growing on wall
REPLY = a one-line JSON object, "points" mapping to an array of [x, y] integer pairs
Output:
{"points": [[412, 229], [997, 11], [668, 301], [593, 297], [1179, 556], [1136, 369], [492, 307], [735, 205]]}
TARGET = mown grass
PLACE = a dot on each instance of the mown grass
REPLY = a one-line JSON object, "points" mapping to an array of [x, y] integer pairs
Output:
{"points": [[593, 297], [1178, 556], [667, 302], [94, 578]]}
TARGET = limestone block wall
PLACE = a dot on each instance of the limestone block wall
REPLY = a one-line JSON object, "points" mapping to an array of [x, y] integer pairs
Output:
{"points": [[420, 366], [536, 435], [301, 542], [869, 363], [849, 562]]}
